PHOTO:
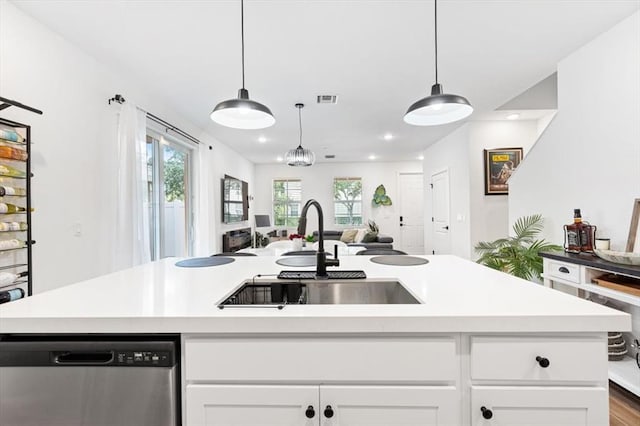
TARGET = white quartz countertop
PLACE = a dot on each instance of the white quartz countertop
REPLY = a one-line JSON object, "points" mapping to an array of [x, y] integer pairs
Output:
{"points": [[457, 296]]}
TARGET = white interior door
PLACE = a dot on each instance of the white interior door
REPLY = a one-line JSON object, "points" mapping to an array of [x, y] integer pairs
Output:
{"points": [[411, 212], [440, 219]]}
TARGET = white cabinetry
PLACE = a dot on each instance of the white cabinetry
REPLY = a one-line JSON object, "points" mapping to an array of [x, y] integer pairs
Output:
{"points": [[577, 272], [537, 380], [223, 405], [538, 406], [425, 380], [328, 381]]}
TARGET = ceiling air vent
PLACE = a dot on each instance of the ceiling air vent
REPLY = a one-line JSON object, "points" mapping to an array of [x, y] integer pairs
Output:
{"points": [[329, 156], [327, 99]]}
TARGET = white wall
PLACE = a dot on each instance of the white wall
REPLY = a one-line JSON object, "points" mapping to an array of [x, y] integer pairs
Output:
{"points": [[452, 153], [317, 182], [490, 213], [589, 156], [473, 216], [74, 149]]}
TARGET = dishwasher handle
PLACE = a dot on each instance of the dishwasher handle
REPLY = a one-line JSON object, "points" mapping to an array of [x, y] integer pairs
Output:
{"points": [[83, 357]]}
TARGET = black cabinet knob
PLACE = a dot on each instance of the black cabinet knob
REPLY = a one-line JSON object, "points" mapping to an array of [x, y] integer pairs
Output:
{"points": [[486, 413], [310, 413], [328, 412], [544, 362]]}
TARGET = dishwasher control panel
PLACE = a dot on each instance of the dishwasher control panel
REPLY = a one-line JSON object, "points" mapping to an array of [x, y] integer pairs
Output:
{"points": [[143, 358]]}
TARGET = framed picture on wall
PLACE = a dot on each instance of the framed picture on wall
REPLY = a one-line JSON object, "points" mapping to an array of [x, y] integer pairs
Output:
{"points": [[499, 164]]}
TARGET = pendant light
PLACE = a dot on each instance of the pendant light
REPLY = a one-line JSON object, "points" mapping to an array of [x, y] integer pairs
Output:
{"points": [[300, 157], [242, 113], [439, 108]]}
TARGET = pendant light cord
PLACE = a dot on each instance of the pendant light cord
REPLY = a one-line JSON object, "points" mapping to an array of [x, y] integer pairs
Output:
{"points": [[242, 37], [435, 3], [300, 123]]}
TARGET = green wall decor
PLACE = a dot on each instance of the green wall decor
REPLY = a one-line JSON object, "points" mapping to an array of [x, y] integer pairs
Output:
{"points": [[380, 197]]}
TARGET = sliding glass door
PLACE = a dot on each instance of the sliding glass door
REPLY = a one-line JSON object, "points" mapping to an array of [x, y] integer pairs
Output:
{"points": [[170, 196]]}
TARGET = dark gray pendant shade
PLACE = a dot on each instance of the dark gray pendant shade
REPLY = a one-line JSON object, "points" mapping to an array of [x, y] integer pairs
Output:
{"points": [[300, 157], [242, 112], [439, 108]]}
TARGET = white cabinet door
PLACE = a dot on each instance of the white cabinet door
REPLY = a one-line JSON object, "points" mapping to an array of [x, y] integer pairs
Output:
{"points": [[539, 406], [389, 405], [213, 405]]}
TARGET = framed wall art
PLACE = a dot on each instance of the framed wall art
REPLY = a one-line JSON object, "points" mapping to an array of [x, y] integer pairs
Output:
{"points": [[499, 164]]}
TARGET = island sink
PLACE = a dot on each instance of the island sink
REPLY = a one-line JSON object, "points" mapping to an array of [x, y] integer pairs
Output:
{"points": [[325, 292]]}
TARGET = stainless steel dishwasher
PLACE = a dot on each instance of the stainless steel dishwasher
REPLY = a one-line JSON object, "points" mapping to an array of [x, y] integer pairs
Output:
{"points": [[89, 381]]}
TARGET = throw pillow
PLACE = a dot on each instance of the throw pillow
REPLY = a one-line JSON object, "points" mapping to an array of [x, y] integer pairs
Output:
{"points": [[348, 235], [360, 235], [370, 237]]}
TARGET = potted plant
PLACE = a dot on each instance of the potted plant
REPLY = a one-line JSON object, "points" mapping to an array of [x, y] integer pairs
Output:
{"points": [[517, 255], [296, 239]]}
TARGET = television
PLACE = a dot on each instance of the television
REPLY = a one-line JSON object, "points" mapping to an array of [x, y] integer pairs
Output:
{"points": [[235, 200]]}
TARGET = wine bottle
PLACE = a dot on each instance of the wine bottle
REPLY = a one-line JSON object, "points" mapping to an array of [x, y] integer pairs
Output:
{"points": [[11, 244], [7, 278], [13, 226], [10, 190], [11, 171], [8, 208], [11, 295], [10, 135], [13, 153]]}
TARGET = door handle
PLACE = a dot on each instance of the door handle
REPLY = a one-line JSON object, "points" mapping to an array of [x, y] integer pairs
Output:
{"points": [[445, 227]]}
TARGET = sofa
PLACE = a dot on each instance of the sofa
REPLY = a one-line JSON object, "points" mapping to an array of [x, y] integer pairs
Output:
{"points": [[382, 241]]}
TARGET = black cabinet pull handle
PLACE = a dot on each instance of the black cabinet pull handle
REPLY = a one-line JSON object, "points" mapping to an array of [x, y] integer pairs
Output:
{"points": [[328, 412], [544, 362], [486, 413], [563, 270], [310, 413]]}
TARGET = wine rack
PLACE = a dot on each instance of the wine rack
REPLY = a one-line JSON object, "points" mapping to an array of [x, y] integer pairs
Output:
{"points": [[16, 240]]}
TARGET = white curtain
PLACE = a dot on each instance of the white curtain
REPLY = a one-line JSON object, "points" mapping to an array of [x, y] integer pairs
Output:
{"points": [[132, 204], [204, 191]]}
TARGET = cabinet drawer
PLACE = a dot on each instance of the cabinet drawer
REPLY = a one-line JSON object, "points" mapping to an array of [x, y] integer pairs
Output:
{"points": [[539, 406], [514, 358], [335, 359], [563, 271]]}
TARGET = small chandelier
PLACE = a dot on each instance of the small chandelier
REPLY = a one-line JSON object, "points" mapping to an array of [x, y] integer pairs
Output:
{"points": [[300, 156]]}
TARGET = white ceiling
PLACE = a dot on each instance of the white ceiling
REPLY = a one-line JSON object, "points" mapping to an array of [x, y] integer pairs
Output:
{"points": [[377, 56]]}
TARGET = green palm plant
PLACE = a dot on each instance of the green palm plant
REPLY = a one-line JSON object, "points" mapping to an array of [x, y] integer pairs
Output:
{"points": [[517, 255]]}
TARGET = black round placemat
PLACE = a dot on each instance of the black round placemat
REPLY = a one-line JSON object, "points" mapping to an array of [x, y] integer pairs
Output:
{"points": [[297, 261], [399, 260], [201, 262]]}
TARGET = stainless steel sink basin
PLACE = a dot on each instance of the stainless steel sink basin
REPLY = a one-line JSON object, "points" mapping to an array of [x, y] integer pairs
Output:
{"points": [[327, 292]]}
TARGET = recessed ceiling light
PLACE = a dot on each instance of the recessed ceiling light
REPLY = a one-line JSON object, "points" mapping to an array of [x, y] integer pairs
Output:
{"points": [[262, 139], [279, 159], [513, 116], [420, 157], [388, 136], [372, 157]]}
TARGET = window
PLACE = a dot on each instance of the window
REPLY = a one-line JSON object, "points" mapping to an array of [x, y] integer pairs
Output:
{"points": [[169, 186], [287, 196], [347, 201]]}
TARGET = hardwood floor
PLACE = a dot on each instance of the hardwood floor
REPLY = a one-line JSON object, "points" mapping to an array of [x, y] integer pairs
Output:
{"points": [[624, 407]]}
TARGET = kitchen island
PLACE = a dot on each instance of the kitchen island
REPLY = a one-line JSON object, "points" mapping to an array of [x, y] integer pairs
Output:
{"points": [[482, 347]]}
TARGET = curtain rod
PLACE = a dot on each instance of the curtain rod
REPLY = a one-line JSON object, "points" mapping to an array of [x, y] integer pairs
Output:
{"points": [[119, 99], [6, 103]]}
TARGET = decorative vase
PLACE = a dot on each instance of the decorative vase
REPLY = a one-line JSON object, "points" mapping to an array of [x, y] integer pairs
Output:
{"points": [[297, 244]]}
